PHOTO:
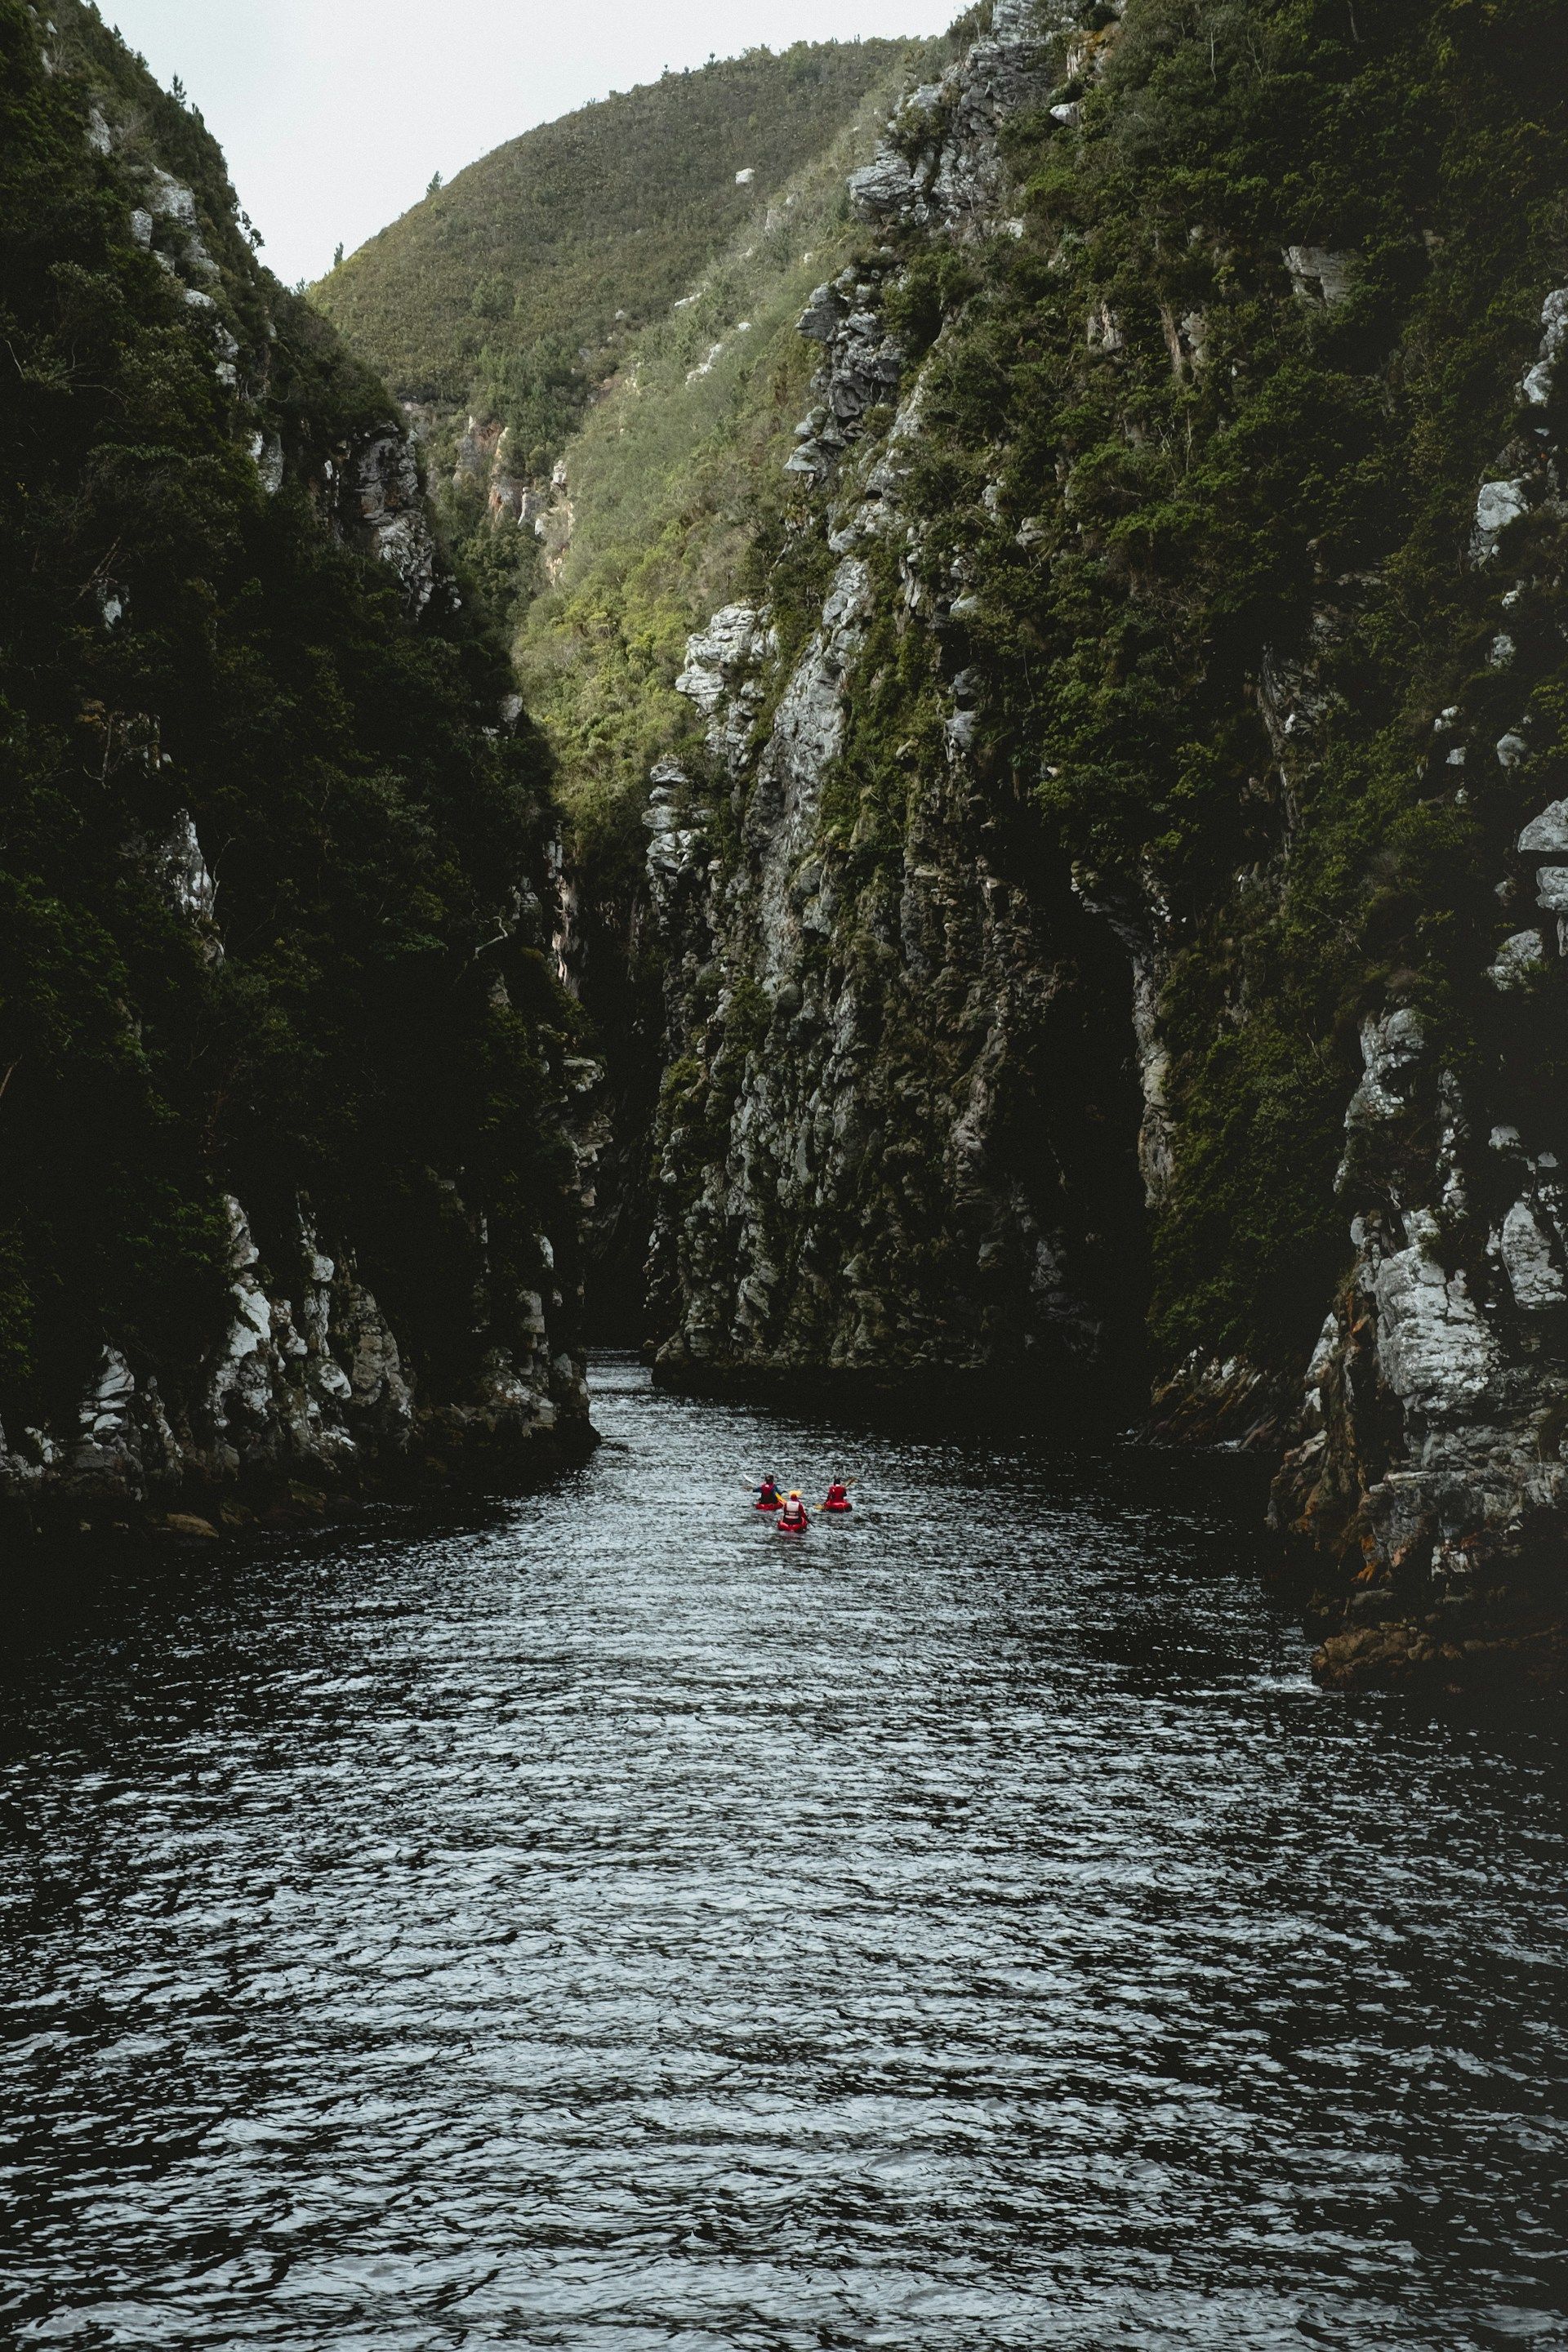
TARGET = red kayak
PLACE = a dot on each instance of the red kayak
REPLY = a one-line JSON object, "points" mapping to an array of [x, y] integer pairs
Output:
{"points": [[837, 1510], [767, 1506], [788, 1528]]}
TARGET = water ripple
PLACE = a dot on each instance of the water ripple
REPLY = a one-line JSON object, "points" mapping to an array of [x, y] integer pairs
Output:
{"points": [[605, 1926]]}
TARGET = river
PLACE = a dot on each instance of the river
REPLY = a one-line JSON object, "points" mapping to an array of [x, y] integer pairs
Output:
{"points": [[602, 1923]]}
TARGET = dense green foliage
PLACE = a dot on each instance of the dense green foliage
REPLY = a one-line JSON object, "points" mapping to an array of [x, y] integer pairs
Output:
{"points": [[375, 1036], [516, 289], [1228, 487], [676, 477]]}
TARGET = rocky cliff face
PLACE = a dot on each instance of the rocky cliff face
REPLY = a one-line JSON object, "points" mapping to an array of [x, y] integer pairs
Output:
{"points": [[896, 1134], [291, 1150], [1041, 880], [1431, 1459], [897, 1130]]}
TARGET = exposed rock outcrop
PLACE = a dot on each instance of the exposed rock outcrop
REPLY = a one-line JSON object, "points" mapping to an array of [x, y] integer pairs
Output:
{"points": [[941, 165], [1430, 1461], [862, 367], [383, 511]]}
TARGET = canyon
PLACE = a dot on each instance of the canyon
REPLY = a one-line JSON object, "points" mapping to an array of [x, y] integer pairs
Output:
{"points": [[1049, 893]]}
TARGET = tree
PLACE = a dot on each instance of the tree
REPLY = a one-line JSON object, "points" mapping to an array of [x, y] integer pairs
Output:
{"points": [[435, 186]]}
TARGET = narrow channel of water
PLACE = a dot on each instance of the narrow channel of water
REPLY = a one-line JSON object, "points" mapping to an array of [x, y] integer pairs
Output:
{"points": [[608, 1925]]}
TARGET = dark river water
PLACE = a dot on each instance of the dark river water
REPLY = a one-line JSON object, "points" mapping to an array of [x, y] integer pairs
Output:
{"points": [[606, 1924]]}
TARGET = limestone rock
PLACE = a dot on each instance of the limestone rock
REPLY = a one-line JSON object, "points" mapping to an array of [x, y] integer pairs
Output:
{"points": [[862, 366], [1532, 1270], [1518, 960], [1434, 1349], [883, 188], [723, 675], [1314, 270], [1419, 1455], [183, 870], [1538, 384], [308, 1389], [267, 455], [170, 198], [1499, 505], [389, 517], [942, 166], [1547, 835]]}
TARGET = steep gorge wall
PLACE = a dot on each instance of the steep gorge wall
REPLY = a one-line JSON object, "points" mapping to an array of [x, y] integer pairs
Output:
{"points": [[503, 308], [899, 1113], [290, 1174], [1122, 873]]}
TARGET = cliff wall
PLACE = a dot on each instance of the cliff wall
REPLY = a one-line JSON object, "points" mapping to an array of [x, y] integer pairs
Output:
{"points": [[289, 1090], [1115, 906]]}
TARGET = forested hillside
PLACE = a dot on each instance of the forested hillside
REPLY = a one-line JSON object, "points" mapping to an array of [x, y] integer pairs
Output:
{"points": [[287, 1188], [514, 290]]}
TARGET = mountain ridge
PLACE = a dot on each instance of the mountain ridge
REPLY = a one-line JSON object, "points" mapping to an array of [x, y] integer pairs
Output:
{"points": [[509, 289]]}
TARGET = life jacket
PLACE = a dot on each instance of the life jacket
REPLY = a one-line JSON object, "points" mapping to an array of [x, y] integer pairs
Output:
{"points": [[794, 1518], [769, 1500], [838, 1498]]}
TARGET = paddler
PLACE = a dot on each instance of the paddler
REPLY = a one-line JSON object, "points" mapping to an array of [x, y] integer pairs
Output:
{"points": [[837, 1498], [768, 1495], [793, 1515]]}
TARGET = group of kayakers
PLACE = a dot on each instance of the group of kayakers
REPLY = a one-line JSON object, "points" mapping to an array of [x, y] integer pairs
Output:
{"points": [[791, 1515]]}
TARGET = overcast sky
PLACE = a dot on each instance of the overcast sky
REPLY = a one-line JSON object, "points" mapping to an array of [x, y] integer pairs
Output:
{"points": [[334, 113]]}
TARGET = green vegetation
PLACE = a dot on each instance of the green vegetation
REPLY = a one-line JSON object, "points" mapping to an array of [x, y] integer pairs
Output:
{"points": [[676, 479], [378, 1033], [515, 289], [1227, 475]]}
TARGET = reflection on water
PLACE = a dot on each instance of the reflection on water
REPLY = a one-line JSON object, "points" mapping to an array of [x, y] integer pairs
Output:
{"points": [[611, 1925]]}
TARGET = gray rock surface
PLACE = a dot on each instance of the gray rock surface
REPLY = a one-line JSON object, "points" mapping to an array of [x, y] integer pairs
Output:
{"points": [[1499, 505], [1538, 384], [1315, 271], [305, 1390], [1518, 960], [1547, 835], [941, 165], [862, 366], [385, 514], [1429, 1457]]}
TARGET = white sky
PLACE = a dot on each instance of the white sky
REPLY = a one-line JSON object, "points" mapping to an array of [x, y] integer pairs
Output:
{"points": [[334, 113]]}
